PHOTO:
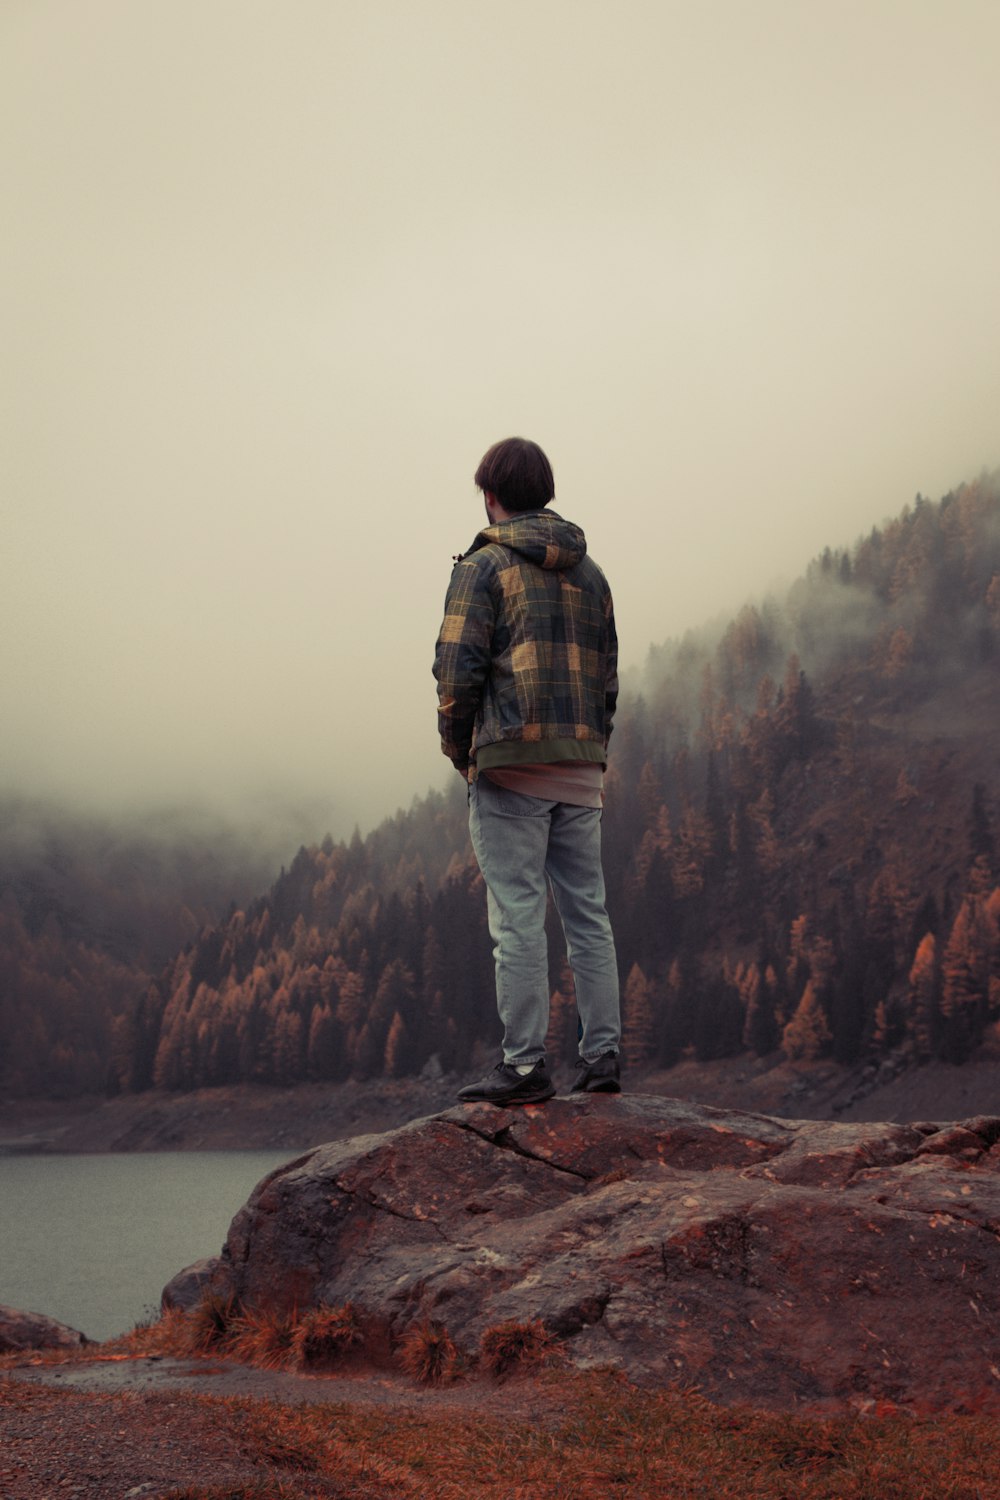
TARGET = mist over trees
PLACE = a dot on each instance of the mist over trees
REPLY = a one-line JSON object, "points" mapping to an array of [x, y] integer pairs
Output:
{"points": [[800, 851], [90, 908]]}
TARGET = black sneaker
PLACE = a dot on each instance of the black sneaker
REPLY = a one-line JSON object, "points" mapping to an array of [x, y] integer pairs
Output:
{"points": [[602, 1076], [505, 1085]]}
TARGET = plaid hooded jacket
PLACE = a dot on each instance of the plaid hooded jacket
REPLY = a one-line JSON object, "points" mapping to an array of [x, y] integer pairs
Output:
{"points": [[527, 659]]}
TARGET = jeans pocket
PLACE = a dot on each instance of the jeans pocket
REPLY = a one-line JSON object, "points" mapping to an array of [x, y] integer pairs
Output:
{"points": [[501, 799]]}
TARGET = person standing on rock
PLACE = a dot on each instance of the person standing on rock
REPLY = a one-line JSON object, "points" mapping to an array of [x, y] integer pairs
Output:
{"points": [[526, 667]]}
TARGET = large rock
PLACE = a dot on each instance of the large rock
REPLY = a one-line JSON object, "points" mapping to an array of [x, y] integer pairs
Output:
{"points": [[30, 1330], [185, 1290], [757, 1259]]}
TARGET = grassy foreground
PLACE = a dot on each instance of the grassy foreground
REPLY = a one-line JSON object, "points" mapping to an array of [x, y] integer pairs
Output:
{"points": [[604, 1438], [612, 1441], [532, 1428]]}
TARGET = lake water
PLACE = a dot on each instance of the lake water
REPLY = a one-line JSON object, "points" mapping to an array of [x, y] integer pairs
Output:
{"points": [[92, 1240]]}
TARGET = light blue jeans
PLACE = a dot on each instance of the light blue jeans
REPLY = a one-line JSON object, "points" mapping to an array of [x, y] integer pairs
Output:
{"points": [[521, 842]]}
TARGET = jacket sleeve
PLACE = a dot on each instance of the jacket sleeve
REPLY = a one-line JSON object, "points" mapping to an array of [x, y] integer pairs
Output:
{"points": [[611, 679], [463, 657]]}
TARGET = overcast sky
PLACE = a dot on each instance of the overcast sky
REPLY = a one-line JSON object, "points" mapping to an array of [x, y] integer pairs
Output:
{"points": [[274, 276]]}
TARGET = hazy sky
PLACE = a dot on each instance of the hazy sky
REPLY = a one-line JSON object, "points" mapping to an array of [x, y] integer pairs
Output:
{"points": [[275, 275]]}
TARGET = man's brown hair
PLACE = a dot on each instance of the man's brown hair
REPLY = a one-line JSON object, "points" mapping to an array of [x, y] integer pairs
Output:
{"points": [[517, 472]]}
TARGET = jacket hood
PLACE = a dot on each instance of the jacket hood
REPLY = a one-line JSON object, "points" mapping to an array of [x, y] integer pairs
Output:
{"points": [[542, 536]]}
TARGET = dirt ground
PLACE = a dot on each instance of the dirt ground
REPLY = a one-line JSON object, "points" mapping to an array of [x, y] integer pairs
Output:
{"points": [[121, 1429], [204, 1376], [254, 1117], [55, 1443]]}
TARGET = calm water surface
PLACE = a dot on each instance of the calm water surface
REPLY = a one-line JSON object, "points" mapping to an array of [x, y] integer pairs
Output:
{"points": [[92, 1240]]}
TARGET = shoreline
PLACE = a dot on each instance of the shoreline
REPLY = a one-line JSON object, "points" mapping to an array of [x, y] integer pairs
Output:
{"points": [[244, 1117], [259, 1117]]}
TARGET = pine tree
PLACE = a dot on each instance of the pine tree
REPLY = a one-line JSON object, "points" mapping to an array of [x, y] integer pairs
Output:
{"points": [[288, 1048], [981, 842], [887, 1026], [351, 1002], [321, 1049], [717, 1024], [807, 1033], [897, 654], [649, 795], [396, 1061], [795, 724], [692, 853], [760, 1030], [970, 966], [638, 1026], [923, 997], [367, 1055], [767, 854]]}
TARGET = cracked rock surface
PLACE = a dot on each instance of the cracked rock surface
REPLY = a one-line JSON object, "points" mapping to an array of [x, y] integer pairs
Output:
{"points": [[763, 1260]]}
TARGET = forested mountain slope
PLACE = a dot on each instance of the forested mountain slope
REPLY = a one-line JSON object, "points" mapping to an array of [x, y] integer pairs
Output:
{"points": [[91, 907], [799, 847]]}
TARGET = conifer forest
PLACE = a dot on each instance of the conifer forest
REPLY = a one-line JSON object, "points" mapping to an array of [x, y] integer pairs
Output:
{"points": [[800, 845]]}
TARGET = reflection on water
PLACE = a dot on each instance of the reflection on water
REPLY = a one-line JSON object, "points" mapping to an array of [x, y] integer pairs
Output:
{"points": [[92, 1240]]}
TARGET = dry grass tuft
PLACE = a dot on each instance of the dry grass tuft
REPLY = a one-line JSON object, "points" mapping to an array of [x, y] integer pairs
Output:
{"points": [[323, 1335], [804, 1452], [264, 1337], [208, 1326], [172, 1333], [428, 1353], [512, 1345], [269, 1339]]}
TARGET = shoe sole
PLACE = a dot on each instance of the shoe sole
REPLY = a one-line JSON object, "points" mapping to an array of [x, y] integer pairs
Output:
{"points": [[538, 1097], [611, 1087]]}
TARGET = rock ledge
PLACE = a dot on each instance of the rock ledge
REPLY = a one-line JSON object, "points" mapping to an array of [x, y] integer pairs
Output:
{"points": [[771, 1261]]}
